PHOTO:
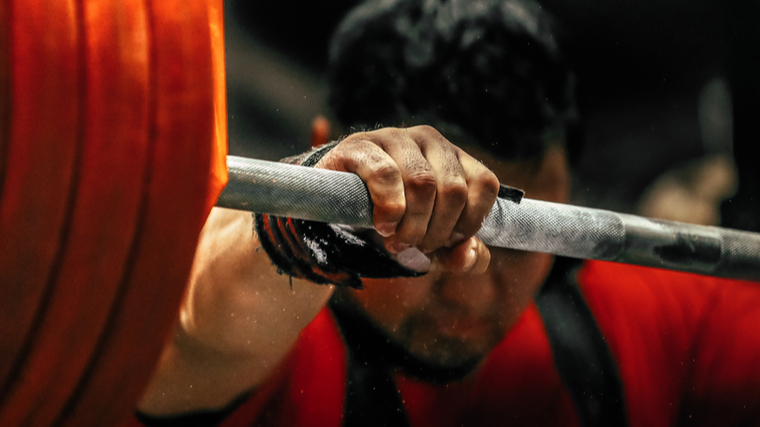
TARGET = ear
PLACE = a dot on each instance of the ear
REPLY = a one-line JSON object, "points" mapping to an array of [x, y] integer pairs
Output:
{"points": [[320, 131]]}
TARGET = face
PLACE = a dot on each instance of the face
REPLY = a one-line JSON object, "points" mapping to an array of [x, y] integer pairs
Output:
{"points": [[449, 320]]}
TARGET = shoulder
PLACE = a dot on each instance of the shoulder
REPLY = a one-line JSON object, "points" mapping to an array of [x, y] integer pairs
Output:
{"points": [[630, 289], [619, 291], [680, 339], [660, 306]]}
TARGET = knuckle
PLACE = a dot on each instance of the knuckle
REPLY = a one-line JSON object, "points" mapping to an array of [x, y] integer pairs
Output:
{"points": [[385, 136], [488, 185], [455, 190], [352, 139], [385, 170], [427, 129], [395, 133], [422, 181], [351, 145], [391, 209]]}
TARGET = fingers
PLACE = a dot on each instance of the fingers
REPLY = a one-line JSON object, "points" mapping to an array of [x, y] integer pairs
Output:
{"points": [[465, 192], [427, 193], [380, 173], [451, 194], [470, 256], [482, 191], [420, 188]]}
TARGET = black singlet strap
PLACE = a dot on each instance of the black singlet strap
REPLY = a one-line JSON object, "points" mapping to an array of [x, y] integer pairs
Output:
{"points": [[581, 355], [372, 399]]}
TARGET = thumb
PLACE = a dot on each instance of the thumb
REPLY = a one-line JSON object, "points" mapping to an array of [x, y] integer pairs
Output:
{"points": [[470, 256]]}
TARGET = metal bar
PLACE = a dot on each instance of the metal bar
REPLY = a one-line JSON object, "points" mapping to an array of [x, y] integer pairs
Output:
{"points": [[532, 225]]}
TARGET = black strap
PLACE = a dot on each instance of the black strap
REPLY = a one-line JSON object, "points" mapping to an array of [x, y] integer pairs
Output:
{"points": [[581, 355], [372, 398]]}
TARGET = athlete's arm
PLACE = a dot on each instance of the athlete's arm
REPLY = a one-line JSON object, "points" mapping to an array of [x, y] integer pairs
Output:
{"points": [[240, 318]]}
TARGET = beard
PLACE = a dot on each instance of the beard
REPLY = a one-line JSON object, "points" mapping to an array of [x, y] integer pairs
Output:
{"points": [[415, 348], [426, 339]]}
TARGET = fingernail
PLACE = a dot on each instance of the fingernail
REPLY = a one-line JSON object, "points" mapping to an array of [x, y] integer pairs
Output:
{"points": [[386, 229], [469, 260]]}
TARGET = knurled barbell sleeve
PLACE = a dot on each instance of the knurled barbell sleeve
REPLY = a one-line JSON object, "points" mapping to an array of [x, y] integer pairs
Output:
{"points": [[531, 225]]}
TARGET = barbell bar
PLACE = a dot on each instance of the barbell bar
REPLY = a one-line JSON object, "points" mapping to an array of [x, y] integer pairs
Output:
{"points": [[530, 225]]}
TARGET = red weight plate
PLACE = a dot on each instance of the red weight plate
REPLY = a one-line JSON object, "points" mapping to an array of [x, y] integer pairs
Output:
{"points": [[175, 207], [5, 84], [106, 207], [42, 153], [112, 152], [218, 175]]}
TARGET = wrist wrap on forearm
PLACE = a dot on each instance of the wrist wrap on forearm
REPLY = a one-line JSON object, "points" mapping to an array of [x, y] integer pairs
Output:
{"points": [[320, 252]]}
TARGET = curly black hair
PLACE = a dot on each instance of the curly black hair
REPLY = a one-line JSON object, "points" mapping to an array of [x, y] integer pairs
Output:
{"points": [[488, 69]]}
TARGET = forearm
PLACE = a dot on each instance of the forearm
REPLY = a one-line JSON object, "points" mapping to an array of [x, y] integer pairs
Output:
{"points": [[236, 300], [239, 319]]}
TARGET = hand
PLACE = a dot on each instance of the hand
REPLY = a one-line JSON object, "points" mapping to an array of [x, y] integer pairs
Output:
{"points": [[427, 193]]}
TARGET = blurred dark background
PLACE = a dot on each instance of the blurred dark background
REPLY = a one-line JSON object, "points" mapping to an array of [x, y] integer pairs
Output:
{"points": [[669, 94]]}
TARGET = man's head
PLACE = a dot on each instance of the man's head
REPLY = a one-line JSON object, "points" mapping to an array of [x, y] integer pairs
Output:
{"points": [[487, 74], [487, 71]]}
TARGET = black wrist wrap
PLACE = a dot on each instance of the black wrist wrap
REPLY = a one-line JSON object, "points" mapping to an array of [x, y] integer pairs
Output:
{"points": [[320, 252]]}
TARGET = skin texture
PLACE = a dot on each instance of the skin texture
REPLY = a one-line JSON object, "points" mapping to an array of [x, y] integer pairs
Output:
{"points": [[239, 318]]}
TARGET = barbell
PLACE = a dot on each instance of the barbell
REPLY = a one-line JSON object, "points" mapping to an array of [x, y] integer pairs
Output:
{"points": [[112, 153], [525, 224]]}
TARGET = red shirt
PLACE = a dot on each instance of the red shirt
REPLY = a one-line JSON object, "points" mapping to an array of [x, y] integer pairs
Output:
{"points": [[687, 349]]}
